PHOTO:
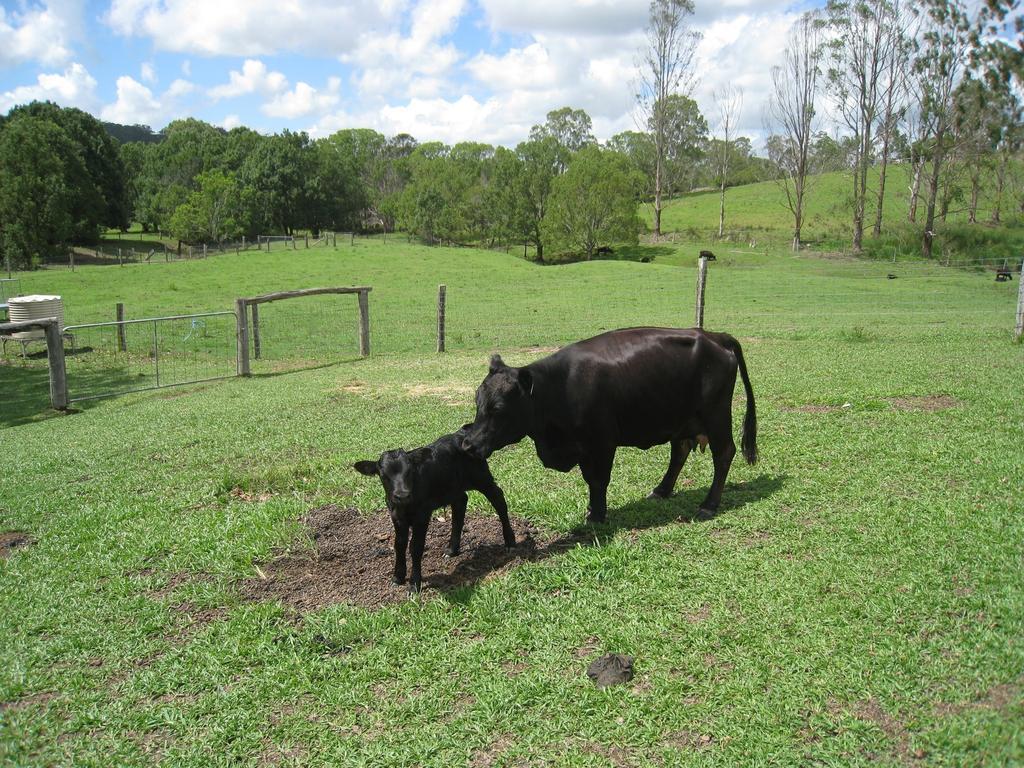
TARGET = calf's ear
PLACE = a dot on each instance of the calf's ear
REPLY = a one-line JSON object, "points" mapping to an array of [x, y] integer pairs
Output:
{"points": [[496, 363], [366, 467], [526, 381]]}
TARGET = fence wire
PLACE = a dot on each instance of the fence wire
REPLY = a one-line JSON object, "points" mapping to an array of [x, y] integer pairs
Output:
{"points": [[104, 359], [303, 332]]}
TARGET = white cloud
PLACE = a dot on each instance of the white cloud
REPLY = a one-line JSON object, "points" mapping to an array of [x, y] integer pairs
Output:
{"points": [[251, 27], [148, 72], [231, 121], [40, 32], [135, 104], [303, 100], [75, 88], [392, 64], [186, 68], [254, 78]]}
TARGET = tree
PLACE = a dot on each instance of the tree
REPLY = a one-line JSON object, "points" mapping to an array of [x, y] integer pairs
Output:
{"points": [[102, 161], [275, 175], [541, 162], [666, 67], [593, 203], [866, 43], [791, 110], [571, 128], [730, 101], [212, 213], [46, 195], [939, 67], [685, 136]]}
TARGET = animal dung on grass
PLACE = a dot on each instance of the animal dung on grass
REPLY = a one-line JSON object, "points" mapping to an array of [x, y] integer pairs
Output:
{"points": [[611, 669]]}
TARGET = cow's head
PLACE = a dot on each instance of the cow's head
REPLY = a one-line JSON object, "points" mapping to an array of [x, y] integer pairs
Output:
{"points": [[397, 472], [504, 410]]}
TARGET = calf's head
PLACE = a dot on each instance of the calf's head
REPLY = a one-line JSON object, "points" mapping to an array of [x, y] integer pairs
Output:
{"points": [[504, 410], [397, 472]]}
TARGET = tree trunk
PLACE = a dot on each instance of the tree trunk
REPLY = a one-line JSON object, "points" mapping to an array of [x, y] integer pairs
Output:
{"points": [[997, 204], [657, 198], [933, 193], [972, 215], [721, 211], [915, 192]]}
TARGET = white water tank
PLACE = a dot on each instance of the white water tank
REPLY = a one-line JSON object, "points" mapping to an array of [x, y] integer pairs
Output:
{"points": [[35, 308]]}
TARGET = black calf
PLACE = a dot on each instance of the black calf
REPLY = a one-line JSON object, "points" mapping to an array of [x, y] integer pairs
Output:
{"points": [[419, 481]]}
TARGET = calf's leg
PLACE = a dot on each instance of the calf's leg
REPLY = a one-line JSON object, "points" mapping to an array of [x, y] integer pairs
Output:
{"points": [[401, 544], [680, 450], [597, 471], [458, 520], [419, 540]]}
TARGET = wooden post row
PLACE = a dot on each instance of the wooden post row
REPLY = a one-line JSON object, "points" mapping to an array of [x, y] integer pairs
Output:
{"points": [[441, 290], [122, 342]]}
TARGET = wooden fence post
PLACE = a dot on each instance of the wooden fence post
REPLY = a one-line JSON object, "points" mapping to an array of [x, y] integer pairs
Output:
{"points": [[256, 331], [307, 241], [352, 238], [242, 344], [122, 341], [119, 262], [58, 373], [1020, 303], [441, 289], [364, 324], [71, 259], [702, 276], [204, 250]]}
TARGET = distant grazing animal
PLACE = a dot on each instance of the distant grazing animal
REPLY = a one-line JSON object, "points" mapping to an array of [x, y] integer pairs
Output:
{"points": [[637, 387], [419, 481], [1003, 274]]}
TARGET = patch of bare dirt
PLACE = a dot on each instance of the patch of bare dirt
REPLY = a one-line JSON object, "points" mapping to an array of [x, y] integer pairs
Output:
{"points": [[32, 700], [353, 558], [451, 394], [1000, 698], [12, 540], [688, 740], [811, 408], [699, 615], [923, 403], [492, 753]]}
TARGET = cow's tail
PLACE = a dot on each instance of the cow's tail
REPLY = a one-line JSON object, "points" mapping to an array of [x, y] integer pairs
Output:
{"points": [[748, 442]]}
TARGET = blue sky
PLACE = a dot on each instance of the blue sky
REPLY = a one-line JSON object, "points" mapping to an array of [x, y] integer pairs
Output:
{"points": [[446, 70]]}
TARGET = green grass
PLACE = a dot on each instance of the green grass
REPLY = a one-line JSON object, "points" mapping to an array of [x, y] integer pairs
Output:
{"points": [[757, 213], [858, 601]]}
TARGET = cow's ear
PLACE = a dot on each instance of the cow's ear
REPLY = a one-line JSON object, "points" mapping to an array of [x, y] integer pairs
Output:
{"points": [[496, 363], [526, 381], [367, 467]]}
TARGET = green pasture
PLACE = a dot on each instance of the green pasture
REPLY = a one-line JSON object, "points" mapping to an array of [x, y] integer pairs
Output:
{"points": [[757, 214], [858, 600]]}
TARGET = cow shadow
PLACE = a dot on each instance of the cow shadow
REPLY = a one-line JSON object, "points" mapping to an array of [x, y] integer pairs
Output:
{"points": [[460, 583]]}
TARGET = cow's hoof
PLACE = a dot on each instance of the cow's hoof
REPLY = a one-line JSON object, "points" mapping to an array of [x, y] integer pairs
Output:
{"points": [[414, 591], [510, 544], [396, 579], [705, 513], [596, 519], [452, 551], [657, 493]]}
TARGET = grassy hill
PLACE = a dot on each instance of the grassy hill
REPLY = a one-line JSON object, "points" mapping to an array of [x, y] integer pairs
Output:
{"points": [[758, 213]]}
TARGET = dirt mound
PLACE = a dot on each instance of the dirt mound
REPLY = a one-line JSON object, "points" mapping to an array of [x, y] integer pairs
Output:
{"points": [[353, 558]]}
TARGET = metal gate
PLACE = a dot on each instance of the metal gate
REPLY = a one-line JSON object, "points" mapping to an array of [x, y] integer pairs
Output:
{"points": [[115, 358]]}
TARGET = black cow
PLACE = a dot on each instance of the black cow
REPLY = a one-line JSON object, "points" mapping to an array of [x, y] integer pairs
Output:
{"points": [[636, 386], [419, 481]]}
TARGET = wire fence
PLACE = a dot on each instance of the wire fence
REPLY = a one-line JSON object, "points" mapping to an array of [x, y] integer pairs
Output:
{"points": [[303, 332], [104, 359]]}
